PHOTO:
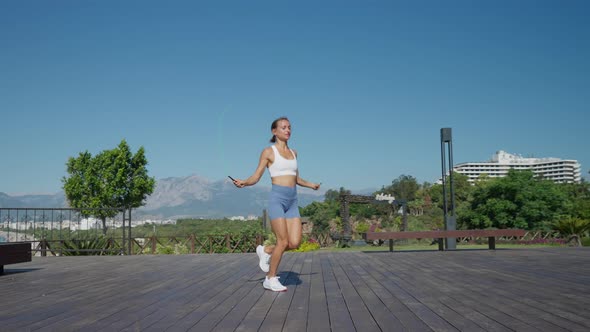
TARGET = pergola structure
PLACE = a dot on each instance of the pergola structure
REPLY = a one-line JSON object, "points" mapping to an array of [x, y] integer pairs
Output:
{"points": [[346, 200]]}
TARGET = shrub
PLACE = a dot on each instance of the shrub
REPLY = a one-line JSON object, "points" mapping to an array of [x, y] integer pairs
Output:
{"points": [[176, 249], [306, 246], [271, 239], [180, 249], [87, 246], [164, 250], [362, 227], [572, 229]]}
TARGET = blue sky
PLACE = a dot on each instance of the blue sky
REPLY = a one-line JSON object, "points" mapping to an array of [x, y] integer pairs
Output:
{"points": [[367, 85]]}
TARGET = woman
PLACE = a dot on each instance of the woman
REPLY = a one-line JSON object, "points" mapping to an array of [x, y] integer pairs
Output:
{"points": [[282, 206]]}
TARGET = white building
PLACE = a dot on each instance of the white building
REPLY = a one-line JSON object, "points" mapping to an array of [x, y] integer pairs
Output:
{"points": [[242, 218], [558, 170]]}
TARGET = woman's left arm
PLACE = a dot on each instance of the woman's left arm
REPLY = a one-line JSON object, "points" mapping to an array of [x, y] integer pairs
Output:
{"points": [[304, 183]]}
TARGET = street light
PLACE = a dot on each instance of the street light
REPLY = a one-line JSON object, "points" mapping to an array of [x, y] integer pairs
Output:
{"points": [[449, 211]]}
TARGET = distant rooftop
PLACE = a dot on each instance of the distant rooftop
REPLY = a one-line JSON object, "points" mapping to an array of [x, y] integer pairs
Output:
{"points": [[556, 169], [503, 157]]}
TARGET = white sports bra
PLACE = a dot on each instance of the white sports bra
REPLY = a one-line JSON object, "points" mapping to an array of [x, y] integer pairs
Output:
{"points": [[282, 166]]}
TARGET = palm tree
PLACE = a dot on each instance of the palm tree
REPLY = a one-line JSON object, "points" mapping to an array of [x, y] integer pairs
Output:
{"points": [[572, 229]]}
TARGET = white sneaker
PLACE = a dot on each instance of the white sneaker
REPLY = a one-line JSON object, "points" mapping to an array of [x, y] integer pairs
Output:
{"points": [[264, 258], [273, 284]]}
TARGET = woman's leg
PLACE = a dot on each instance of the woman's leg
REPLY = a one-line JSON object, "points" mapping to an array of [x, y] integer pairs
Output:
{"points": [[294, 232], [293, 237], [269, 249], [279, 228]]}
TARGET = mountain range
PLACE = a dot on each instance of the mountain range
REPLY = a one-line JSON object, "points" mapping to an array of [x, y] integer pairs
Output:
{"points": [[178, 197]]}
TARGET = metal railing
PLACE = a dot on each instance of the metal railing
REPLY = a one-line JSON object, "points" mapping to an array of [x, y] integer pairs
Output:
{"points": [[196, 244], [63, 231], [68, 231]]}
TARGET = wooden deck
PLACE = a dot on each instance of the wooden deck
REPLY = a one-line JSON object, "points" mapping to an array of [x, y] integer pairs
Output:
{"points": [[469, 290]]}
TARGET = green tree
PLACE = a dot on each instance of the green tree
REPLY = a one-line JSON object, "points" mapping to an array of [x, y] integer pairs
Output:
{"points": [[334, 195], [462, 190], [404, 187], [366, 211], [320, 213], [518, 200], [112, 179], [579, 196]]}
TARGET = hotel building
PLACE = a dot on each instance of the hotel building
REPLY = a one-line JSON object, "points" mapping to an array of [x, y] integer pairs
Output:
{"points": [[558, 170]]}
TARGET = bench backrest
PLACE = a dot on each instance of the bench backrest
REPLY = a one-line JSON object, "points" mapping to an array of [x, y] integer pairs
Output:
{"points": [[445, 234]]}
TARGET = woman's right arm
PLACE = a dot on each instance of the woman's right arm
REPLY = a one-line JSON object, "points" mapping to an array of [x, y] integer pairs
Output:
{"points": [[262, 164]]}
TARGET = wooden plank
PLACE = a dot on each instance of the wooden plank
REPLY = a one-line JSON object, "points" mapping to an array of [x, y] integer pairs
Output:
{"points": [[473, 315], [298, 310], [156, 313], [257, 315], [380, 313], [376, 279], [509, 296], [116, 296], [502, 304], [67, 290], [524, 290], [217, 313], [525, 277], [361, 316], [232, 320], [122, 305], [449, 289], [173, 309], [201, 306], [14, 294], [340, 317], [390, 280], [275, 319], [415, 279], [318, 318]]}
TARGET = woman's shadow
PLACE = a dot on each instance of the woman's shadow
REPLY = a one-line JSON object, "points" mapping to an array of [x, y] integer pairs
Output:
{"points": [[293, 278], [289, 278]]}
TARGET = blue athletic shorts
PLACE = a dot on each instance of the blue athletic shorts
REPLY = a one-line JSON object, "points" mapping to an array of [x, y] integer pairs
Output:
{"points": [[283, 202]]}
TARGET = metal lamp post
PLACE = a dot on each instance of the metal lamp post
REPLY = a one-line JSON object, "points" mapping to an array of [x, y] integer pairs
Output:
{"points": [[449, 209]]}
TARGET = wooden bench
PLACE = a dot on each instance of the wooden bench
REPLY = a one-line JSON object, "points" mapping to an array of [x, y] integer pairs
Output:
{"points": [[491, 234], [12, 253]]}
